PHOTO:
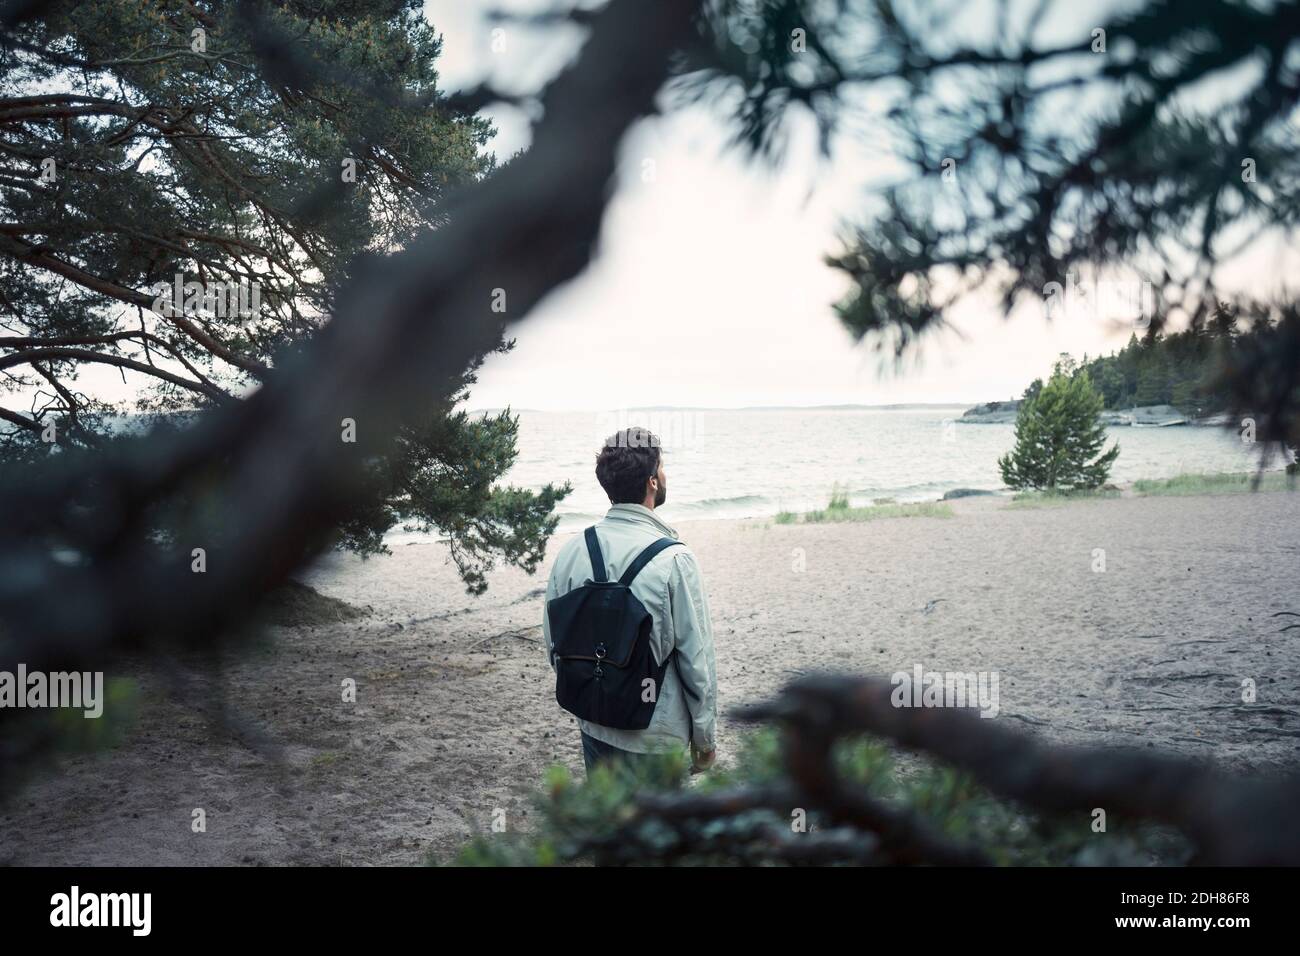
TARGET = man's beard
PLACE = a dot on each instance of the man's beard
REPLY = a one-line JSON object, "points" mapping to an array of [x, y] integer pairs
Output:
{"points": [[662, 494]]}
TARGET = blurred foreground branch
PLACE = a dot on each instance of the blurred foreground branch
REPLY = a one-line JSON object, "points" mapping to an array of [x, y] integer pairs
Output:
{"points": [[1229, 820]]}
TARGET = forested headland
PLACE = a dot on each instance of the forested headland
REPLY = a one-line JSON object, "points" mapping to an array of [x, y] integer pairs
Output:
{"points": [[1184, 369]]}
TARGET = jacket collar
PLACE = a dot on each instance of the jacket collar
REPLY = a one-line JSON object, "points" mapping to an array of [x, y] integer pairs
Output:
{"points": [[640, 514]]}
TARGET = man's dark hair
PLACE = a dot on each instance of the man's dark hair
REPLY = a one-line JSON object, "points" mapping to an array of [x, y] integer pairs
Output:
{"points": [[628, 458]]}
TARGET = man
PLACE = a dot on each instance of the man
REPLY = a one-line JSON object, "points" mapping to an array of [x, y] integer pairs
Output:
{"points": [[631, 470]]}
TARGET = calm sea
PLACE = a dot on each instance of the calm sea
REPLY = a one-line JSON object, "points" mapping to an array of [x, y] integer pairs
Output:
{"points": [[724, 463]]}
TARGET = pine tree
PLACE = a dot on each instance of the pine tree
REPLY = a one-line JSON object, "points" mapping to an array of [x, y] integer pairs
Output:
{"points": [[1059, 437], [281, 174]]}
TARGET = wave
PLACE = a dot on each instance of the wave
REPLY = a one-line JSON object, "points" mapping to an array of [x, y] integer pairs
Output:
{"points": [[709, 504]]}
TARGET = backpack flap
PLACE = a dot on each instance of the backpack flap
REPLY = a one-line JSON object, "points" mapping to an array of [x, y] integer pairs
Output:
{"points": [[598, 621]]}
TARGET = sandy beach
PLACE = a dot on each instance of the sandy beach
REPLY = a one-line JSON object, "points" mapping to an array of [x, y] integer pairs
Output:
{"points": [[455, 715]]}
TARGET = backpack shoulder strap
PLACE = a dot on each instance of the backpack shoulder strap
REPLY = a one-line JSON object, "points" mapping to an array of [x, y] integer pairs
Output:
{"points": [[598, 572], [645, 558]]}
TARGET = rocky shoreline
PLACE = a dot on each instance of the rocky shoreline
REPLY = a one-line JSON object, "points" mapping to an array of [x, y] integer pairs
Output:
{"points": [[1148, 416]]}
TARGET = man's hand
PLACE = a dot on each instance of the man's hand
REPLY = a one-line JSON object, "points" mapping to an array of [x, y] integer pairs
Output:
{"points": [[702, 760]]}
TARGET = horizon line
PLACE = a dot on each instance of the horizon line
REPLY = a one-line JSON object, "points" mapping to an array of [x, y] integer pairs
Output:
{"points": [[730, 408]]}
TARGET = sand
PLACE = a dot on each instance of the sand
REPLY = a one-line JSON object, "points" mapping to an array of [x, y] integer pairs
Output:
{"points": [[455, 720]]}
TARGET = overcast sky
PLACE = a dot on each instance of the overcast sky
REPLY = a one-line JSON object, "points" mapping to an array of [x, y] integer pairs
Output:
{"points": [[709, 287]]}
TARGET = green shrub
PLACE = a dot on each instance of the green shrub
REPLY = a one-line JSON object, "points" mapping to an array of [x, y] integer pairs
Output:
{"points": [[839, 509], [572, 813], [1059, 496], [1214, 484]]}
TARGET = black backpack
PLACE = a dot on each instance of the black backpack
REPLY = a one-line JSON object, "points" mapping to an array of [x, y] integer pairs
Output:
{"points": [[600, 633]]}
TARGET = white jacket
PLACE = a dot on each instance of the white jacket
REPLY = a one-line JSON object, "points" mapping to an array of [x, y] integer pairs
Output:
{"points": [[671, 589]]}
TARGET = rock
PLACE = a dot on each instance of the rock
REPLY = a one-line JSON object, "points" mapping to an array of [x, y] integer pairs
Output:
{"points": [[965, 493], [1218, 420], [1145, 415], [1158, 415]]}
